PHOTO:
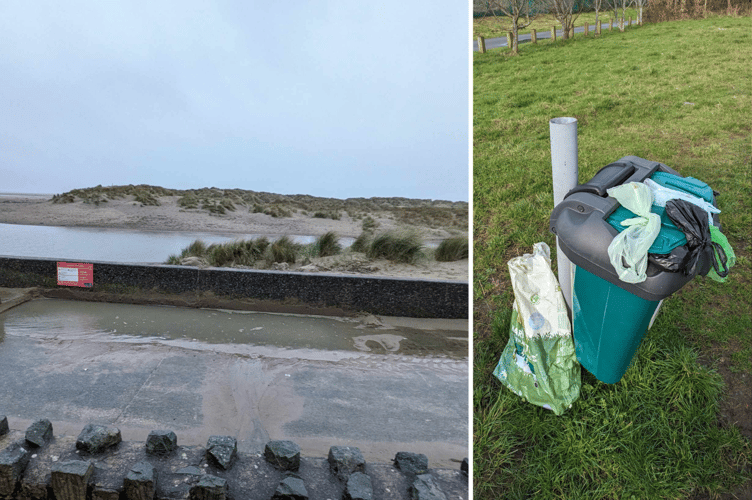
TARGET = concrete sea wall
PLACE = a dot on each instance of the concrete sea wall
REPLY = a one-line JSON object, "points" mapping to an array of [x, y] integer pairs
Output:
{"points": [[375, 295]]}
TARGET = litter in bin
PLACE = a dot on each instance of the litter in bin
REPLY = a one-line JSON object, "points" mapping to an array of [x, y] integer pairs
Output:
{"points": [[611, 316], [718, 237], [539, 362], [693, 221], [628, 250], [669, 251], [687, 184], [661, 195], [674, 261]]}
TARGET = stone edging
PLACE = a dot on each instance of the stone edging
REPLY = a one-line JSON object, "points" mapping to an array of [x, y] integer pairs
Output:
{"points": [[98, 465], [375, 295]]}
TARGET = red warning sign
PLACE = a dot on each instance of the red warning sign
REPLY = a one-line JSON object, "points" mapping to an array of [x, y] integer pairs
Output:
{"points": [[75, 274]]}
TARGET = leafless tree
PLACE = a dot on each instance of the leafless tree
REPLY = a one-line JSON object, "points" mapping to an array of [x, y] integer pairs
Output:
{"points": [[623, 5], [565, 13], [597, 5], [613, 4], [641, 4], [513, 15]]}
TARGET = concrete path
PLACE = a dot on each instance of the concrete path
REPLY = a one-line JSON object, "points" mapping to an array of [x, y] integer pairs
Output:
{"points": [[495, 43], [381, 403]]}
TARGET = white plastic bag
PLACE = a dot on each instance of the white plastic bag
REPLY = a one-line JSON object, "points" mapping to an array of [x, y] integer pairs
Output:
{"points": [[539, 362], [631, 246], [663, 194]]}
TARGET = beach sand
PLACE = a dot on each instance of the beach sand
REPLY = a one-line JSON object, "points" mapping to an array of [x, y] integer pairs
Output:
{"points": [[169, 216]]}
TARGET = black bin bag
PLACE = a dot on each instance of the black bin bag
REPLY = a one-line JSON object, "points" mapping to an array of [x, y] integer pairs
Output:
{"points": [[673, 262], [693, 221]]}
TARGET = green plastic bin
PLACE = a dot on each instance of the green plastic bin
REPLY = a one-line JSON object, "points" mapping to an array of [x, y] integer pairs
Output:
{"points": [[609, 316], [609, 324]]}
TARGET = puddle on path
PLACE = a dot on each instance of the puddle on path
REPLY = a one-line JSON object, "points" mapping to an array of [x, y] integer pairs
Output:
{"points": [[283, 335]]}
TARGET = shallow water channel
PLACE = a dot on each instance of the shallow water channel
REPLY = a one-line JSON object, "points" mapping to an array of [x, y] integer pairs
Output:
{"points": [[112, 245], [260, 333], [382, 384]]}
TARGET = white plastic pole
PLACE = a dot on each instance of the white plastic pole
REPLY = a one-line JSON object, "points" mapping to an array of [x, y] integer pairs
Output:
{"points": [[565, 170]]}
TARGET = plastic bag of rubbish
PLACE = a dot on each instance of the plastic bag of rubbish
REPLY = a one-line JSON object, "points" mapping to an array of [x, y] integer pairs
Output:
{"points": [[661, 196], [628, 251], [694, 222], [718, 237], [673, 262], [539, 362]]}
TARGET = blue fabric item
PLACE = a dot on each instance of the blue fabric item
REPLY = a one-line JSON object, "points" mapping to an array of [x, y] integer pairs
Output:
{"points": [[687, 184]]}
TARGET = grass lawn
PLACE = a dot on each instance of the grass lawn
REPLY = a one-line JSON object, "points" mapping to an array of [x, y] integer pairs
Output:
{"points": [[678, 425]]}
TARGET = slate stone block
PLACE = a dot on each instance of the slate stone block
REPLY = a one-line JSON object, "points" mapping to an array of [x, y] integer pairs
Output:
{"points": [[140, 483], [69, 480], [209, 488], [13, 462], [221, 451], [4, 429], [284, 455], [96, 438], [425, 488], [359, 487], [161, 442], [291, 488], [344, 460], [39, 433], [105, 494], [191, 470], [411, 463]]}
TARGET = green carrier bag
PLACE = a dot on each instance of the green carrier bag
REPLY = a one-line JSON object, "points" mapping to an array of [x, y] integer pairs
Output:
{"points": [[539, 363]]}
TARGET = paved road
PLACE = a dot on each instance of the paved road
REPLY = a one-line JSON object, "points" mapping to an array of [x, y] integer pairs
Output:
{"points": [[61, 367], [495, 43]]}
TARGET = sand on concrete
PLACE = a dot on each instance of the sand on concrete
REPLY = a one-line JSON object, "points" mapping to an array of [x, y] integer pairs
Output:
{"points": [[170, 216], [77, 363]]}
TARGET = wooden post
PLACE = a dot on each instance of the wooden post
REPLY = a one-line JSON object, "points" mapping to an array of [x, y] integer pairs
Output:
{"points": [[509, 40], [611, 26], [553, 33], [629, 23], [598, 28], [481, 45], [533, 36], [587, 29], [571, 32]]}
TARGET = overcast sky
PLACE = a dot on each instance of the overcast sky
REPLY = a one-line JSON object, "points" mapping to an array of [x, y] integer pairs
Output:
{"points": [[331, 98]]}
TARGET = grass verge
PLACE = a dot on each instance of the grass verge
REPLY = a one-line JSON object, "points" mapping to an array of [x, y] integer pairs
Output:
{"points": [[652, 92], [494, 27]]}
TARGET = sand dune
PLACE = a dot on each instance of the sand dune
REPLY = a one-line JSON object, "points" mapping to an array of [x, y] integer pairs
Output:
{"points": [[170, 216]]}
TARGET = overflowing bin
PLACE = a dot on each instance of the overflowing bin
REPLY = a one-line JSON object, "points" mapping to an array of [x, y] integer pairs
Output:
{"points": [[609, 315]]}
